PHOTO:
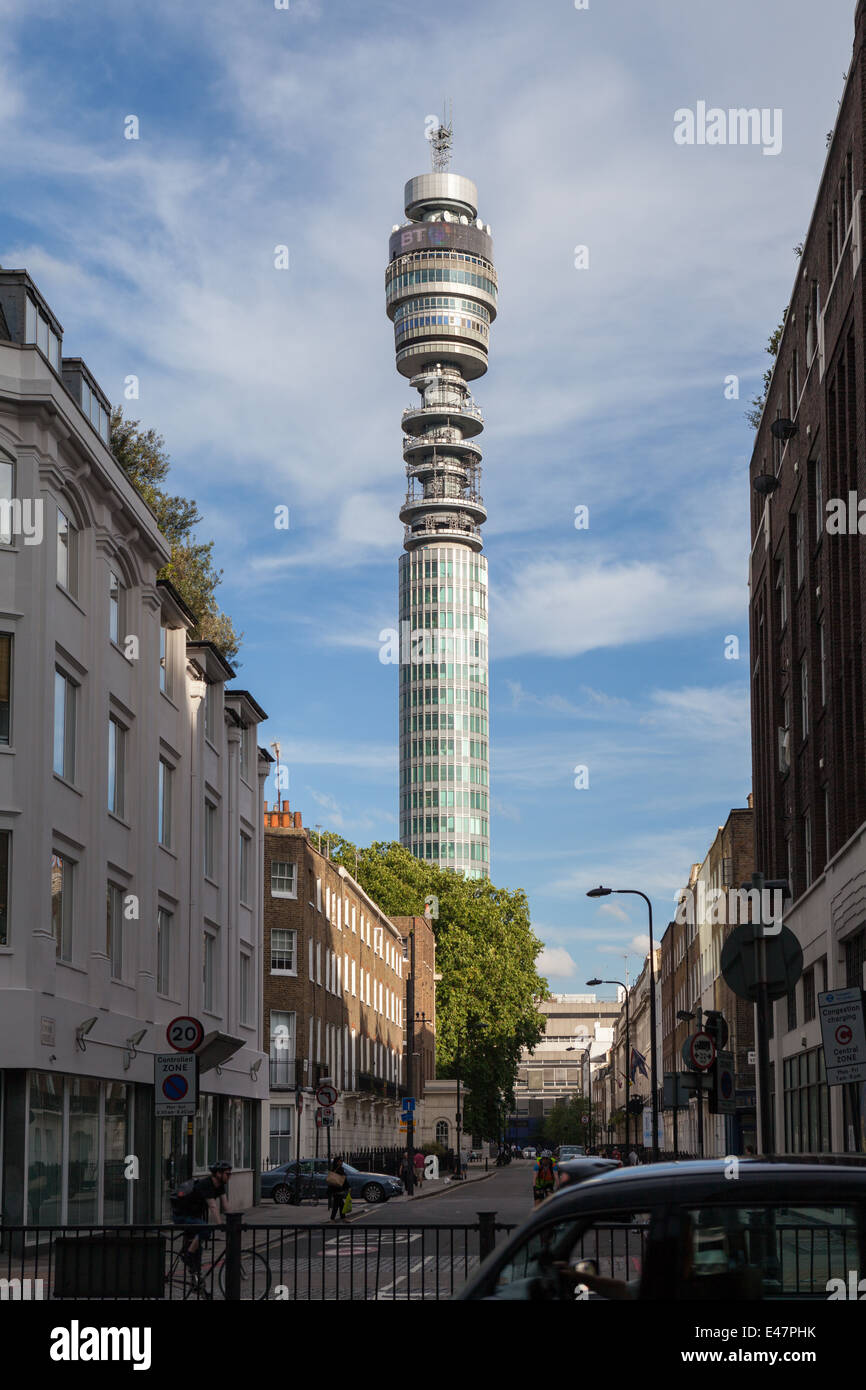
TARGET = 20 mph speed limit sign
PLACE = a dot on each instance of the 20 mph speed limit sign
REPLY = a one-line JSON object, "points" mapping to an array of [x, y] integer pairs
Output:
{"points": [[184, 1034], [699, 1052]]}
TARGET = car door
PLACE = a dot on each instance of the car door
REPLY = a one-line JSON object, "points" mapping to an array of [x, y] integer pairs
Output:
{"points": [[586, 1257], [319, 1168], [775, 1248]]}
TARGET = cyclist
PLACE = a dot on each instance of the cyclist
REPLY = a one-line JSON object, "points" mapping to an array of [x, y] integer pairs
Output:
{"points": [[193, 1203], [544, 1176]]}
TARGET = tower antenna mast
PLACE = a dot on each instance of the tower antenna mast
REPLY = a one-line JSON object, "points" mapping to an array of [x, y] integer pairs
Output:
{"points": [[440, 141]]}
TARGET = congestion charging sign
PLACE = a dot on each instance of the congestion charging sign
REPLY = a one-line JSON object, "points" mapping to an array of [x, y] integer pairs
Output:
{"points": [[843, 1034]]}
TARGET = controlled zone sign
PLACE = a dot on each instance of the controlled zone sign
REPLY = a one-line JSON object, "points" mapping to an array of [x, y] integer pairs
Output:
{"points": [[175, 1084], [843, 1034]]}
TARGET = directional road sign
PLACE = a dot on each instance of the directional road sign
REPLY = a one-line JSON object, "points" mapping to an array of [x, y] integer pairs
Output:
{"points": [[175, 1083], [326, 1095]]}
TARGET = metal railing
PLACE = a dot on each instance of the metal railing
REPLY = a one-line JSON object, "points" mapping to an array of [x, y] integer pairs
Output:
{"points": [[243, 1261], [440, 402]]}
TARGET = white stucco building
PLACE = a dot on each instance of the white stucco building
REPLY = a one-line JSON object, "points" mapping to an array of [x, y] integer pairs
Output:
{"points": [[130, 833]]}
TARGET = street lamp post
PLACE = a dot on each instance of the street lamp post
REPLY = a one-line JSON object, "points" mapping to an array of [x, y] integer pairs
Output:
{"points": [[636, 892], [627, 1047]]}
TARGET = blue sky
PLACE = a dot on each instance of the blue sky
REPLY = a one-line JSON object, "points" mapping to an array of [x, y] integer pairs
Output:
{"points": [[261, 127]]}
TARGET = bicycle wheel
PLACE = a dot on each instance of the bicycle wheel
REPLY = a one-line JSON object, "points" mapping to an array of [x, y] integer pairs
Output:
{"points": [[255, 1276]]}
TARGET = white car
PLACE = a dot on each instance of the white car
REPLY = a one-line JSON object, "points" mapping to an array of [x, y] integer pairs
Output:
{"points": [[529, 1152]]}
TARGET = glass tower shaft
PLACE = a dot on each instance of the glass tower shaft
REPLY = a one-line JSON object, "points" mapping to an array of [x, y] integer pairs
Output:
{"points": [[441, 294]]}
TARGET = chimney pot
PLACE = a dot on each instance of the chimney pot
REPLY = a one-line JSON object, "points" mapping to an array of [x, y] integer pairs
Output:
{"points": [[285, 806], [299, 821]]}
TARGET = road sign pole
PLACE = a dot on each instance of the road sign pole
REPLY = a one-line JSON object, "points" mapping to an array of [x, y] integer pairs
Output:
{"points": [[699, 1014], [410, 1068], [762, 1028]]}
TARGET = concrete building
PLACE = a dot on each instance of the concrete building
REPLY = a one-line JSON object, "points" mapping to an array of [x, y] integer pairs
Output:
{"points": [[807, 605], [578, 1034], [333, 999], [441, 293], [130, 840]]}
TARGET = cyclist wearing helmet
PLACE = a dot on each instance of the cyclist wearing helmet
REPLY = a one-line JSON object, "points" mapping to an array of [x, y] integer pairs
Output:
{"points": [[197, 1201]]}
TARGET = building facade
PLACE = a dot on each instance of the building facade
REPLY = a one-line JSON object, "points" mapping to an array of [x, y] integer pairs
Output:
{"points": [[441, 294], [578, 1034], [807, 606], [130, 840], [333, 1000], [691, 978]]}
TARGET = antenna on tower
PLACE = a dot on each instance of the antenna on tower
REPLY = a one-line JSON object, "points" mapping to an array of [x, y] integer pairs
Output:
{"points": [[440, 141]]}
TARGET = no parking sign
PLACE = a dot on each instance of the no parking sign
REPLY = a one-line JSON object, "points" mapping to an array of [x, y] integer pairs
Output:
{"points": [[175, 1087]]}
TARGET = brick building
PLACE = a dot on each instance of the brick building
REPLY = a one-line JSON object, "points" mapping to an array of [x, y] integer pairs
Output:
{"points": [[690, 977], [424, 1002], [807, 599], [333, 998]]}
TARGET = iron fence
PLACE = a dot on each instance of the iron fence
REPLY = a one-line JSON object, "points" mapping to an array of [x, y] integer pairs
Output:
{"points": [[241, 1260]]}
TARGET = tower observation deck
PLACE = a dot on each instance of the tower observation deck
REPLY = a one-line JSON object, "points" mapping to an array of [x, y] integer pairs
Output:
{"points": [[441, 293]]}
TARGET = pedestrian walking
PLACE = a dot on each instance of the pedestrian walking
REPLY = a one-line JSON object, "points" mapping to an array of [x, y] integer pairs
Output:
{"points": [[633, 1158], [338, 1187], [419, 1166]]}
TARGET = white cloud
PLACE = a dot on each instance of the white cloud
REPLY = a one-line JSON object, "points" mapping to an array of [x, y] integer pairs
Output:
{"points": [[553, 960]]}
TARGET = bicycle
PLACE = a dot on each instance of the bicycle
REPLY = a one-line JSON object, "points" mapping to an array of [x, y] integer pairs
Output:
{"points": [[308, 1192], [185, 1281]]}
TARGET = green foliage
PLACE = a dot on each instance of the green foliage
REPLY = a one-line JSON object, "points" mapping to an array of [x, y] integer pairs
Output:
{"points": [[564, 1124], [756, 409], [485, 953], [143, 458]]}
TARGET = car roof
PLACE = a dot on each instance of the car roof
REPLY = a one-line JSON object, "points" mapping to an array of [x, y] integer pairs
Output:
{"points": [[710, 1179], [582, 1161]]}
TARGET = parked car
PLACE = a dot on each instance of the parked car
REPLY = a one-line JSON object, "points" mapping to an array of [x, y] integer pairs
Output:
{"points": [[570, 1151], [773, 1230], [529, 1151], [279, 1183]]}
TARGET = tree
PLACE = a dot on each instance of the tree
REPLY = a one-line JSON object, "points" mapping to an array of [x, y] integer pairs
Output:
{"points": [[755, 411], [485, 953], [143, 458]]}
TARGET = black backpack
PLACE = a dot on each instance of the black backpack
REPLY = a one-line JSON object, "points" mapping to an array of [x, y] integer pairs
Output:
{"points": [[188, 1200]]}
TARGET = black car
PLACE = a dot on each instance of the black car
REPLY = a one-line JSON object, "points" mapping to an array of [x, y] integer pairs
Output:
{"points": [[575, 1170], [727, 1229], [279, 1183]]}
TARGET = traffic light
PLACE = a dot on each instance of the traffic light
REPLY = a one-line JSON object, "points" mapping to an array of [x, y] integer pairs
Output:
{"points": [[716, 1025]]}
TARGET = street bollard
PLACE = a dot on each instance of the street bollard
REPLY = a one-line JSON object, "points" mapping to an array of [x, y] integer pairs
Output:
{"points": [[486, 1233], [233, 1255]]}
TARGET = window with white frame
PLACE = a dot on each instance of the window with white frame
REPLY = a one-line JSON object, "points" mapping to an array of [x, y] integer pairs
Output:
{"points": [[7, 492], [62, 904], [115, 607], [280, 1146], [244, 867], [5, 873], [283, 951], [210, 832], [164, 921], [807, 846], [114, 930], [245, 987], [318, 962], [210, 983], [282, 1047], [210, 711], [165, 681], [67, 553], [804, 697], [310, 957], [284, 882], [164, 803], [116, 763], [65, 696]]}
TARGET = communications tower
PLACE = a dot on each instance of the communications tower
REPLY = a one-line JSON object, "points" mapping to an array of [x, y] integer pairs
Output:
{"points": [[441, 294]]}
